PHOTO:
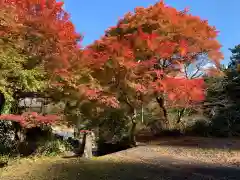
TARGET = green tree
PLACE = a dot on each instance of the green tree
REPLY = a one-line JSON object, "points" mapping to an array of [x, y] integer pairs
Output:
{"points": [[222, 99]]}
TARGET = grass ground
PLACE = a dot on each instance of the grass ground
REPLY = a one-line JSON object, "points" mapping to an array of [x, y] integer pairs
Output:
{"points": [[185, 158]]}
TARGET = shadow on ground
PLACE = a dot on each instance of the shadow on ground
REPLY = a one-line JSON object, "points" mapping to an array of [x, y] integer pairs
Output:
{"points": [[190, 141], [198, 142], [76, 169]]}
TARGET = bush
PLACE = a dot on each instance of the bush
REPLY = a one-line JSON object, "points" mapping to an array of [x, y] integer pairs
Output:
{"points": [[7, 143], [52, 147], [4, 160], [114, 125], [200, 128], [226, 123], [110, 147]]}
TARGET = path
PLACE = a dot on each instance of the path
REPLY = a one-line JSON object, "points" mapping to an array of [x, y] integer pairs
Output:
{"points": [[177, 168], [153, 162]]}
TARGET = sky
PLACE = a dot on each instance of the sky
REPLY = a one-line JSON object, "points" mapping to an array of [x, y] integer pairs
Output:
{"points": [[93, 17]]}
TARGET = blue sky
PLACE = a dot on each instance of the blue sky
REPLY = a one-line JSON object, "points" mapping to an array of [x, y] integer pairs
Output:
{"points": [[93, 17]]}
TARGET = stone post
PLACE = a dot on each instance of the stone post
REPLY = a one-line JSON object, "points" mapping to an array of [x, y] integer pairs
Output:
{"points": [[86, 145]]}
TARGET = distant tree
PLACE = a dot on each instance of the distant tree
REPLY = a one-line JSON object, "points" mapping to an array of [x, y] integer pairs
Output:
{"points": [[235, 58]]}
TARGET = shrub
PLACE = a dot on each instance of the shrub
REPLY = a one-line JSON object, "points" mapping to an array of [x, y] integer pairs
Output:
{"points": [[226, 123], [4, 160], [52, 147], [7, 143]]}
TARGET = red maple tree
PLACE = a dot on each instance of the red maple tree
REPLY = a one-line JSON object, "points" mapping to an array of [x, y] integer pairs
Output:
{"points": [[43, 32], [144, 53], [147, 51]]}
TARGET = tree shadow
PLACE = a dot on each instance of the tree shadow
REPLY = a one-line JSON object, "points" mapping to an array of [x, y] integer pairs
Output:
{"points": [[201, 142], [195, 136], [77, 169], [207, 134]]}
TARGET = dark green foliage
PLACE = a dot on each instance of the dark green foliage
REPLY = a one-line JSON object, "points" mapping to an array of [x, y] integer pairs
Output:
{"points": [[37, 141], [52, 147], [113, 125], [235, 58], [222, 104], [226, 122], [199, 128], [7, 143]]}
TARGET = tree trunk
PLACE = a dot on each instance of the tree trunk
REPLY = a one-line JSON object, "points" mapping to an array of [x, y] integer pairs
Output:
{"points": [[132, 136], [160, 101], [19, 135], [2, 102], [80, 151], [180, 115], [132, 115]]}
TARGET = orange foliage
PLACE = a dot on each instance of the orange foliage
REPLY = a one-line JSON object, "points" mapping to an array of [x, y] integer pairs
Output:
{"points": [[144, 53], [43, 32], [181, 92], [55, 38], [150, 46]]}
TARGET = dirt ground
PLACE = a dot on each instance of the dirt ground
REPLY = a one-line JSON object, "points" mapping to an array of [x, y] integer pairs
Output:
{"points": [[160, 159]]}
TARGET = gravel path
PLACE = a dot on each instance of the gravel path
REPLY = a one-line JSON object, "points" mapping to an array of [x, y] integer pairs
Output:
{"points": [[179, 165]]}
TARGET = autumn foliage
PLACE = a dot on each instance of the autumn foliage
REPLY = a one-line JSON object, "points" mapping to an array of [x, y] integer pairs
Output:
{"points": [[31, 119], [43, 30], [42, 35], [182, 92], [145, 53]]}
